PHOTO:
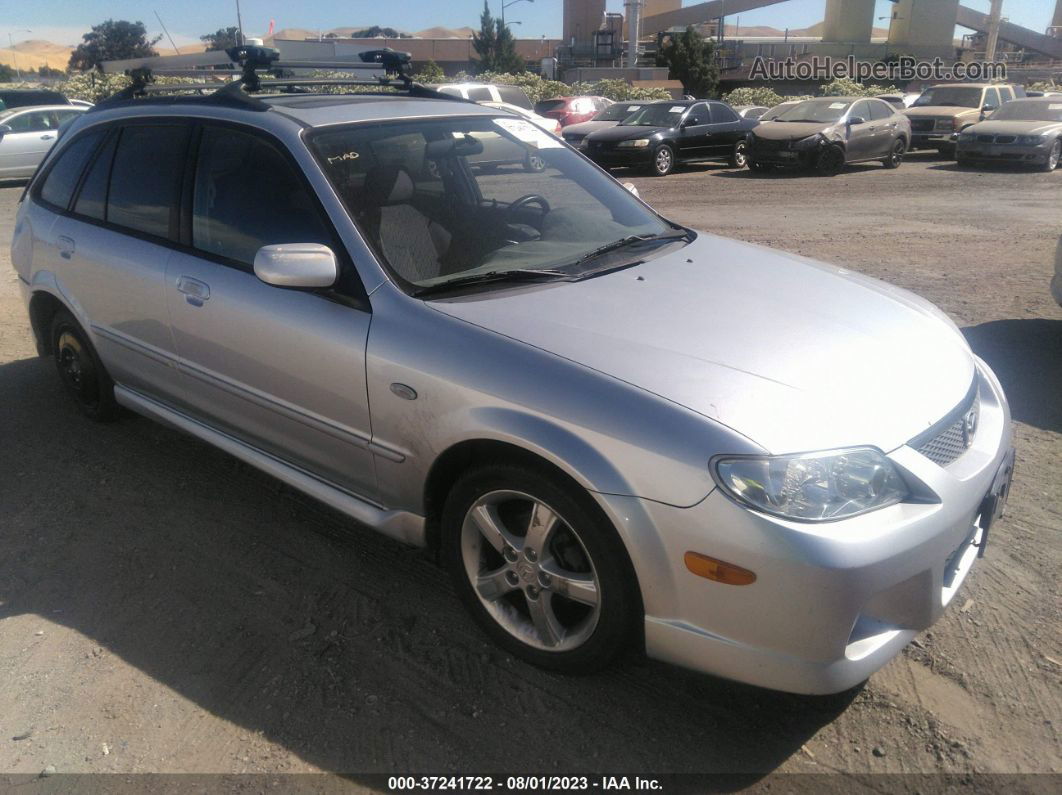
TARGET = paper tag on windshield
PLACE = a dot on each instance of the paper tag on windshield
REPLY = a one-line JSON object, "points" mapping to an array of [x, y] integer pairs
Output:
{"points": [[528, 133], [1054, 107], [677, 109], [837, 105], [633, 108]]}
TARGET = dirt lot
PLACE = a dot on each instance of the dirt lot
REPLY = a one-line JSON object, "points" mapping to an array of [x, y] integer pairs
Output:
{"points": [[165, 608]]}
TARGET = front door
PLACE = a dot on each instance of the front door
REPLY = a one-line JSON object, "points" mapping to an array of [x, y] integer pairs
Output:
{"points": [[32, 134], [281, 369], [695, 133], [861, 137]]}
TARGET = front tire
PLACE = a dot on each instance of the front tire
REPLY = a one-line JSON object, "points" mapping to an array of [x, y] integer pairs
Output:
{"points": [[757, 166], [663, 162], [1054, 157], [895, 157], [739, 157], [830, 162], [541, 571], [81, 370]]}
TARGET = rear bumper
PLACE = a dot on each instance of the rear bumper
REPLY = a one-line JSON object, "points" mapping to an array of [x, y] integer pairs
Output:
{"points": [[832, 602]]}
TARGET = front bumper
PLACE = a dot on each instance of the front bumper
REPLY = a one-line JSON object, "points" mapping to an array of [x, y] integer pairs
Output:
{"points": [[616, 157], [785, 157], [1004, 153], [832, 602]]}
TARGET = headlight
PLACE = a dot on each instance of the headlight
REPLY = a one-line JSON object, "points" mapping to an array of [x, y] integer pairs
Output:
{"points": [[808, 143], [812, 487], [637, 143], [1031, 140]]}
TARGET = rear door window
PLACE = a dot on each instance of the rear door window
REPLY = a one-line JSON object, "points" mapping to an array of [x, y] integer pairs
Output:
{"points": [[879, 110], [92, 199], [62, 177], [722, 113], [248, 195], [145, 179], [33, 121]]}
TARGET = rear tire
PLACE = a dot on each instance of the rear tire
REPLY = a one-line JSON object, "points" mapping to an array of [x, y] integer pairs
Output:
{"points": [[541, 571], [81, 370], [948, 151], [895, 157]]}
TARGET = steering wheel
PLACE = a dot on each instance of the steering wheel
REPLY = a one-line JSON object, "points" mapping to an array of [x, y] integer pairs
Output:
{"points": [[524, 201]]}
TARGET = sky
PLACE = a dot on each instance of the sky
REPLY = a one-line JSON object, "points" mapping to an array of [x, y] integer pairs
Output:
{"points": [[64, 21]]}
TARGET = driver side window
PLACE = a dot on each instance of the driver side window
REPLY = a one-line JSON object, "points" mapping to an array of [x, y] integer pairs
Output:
{"points": [[698, 115]]}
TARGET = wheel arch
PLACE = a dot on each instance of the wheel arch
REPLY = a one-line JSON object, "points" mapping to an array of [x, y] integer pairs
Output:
{"points": [[43, 306]]}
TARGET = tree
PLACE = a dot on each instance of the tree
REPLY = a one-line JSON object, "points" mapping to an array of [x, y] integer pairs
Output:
{"points": [[430, 72], [47, 71], [221, 39], [690, 59], [376, 32], [7, 74], [111, 41], [495, 45]]}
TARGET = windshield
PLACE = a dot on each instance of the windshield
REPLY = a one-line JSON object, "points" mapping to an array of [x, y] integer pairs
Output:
{"points": [[954, 96], [662, 114], [456, 198], [815, 110], [618, 112], [775, 112], [1029, 110]]}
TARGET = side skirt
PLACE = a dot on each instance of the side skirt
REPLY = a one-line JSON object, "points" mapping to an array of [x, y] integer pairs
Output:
{"points": [[400, 525]]}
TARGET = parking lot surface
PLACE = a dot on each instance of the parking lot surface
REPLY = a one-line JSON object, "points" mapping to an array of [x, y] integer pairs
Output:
{"points": [[164, 608]]}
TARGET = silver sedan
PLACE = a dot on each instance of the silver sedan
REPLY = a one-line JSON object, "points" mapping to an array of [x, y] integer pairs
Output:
{"points": [[28, 134]]}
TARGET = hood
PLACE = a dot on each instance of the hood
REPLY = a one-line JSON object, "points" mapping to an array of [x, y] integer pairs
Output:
{"points": [[789, 130], [1004, 127], [585, 128], [623, 132], [793, 354], [938, 111]]}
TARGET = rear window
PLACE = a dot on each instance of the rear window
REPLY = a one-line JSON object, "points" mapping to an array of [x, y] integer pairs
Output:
{"points": [[514, 96], [144, 178], [62, 178]]}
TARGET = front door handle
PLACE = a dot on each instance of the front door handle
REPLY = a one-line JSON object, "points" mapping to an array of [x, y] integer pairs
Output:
{"points": [[66, 246], [47, 137], [195, 292]]}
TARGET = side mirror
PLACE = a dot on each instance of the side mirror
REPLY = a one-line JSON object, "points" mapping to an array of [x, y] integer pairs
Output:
{"points": [[630, 186], [988, 108], [4, 130], [857, 120], [296, 265]]}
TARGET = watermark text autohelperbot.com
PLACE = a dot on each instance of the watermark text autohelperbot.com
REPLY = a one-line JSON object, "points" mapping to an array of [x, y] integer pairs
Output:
{"points": [[904, 68]]}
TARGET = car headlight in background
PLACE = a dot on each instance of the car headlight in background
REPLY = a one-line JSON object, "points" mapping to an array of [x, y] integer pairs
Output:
{"points": [[808, 143], [1031, 140], [812, 487], [637, 143]]}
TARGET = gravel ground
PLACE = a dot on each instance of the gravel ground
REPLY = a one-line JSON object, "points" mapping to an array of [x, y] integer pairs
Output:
{"points": [[164, 608]]}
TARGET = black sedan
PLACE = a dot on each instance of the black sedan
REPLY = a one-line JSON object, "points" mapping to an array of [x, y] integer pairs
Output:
{"points": [[663, 134]]}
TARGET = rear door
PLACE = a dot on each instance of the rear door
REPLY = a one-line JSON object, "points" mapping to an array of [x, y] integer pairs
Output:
{"points": [[726, 130], [33, 133], [117, 240], [281, 369]]}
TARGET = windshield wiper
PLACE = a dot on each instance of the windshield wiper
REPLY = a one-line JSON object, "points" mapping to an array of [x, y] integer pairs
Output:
{"points": [[513, 275], [630, 240]]}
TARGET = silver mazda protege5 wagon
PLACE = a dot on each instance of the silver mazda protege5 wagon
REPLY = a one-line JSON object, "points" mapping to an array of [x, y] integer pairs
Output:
{"points": [[614, 431]]}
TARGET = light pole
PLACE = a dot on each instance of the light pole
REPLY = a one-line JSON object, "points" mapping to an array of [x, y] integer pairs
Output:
{"points": [[11, 46], [511, 3]]}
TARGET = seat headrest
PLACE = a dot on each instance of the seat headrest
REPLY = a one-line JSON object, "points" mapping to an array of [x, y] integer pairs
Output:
{"points": [[386, 185]]}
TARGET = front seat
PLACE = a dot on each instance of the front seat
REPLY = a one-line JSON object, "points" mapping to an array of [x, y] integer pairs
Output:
{"points": [[410, 241]]}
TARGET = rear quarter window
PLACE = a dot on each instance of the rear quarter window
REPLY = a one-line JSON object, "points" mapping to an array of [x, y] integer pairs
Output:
{"points": [[59, 184]]}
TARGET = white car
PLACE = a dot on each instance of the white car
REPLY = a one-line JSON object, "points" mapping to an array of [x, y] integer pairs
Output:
{"points": [[27, 134], [499, 151]]}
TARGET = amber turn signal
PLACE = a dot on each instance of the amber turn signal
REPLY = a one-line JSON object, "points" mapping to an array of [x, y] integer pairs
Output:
{"points": [[718, 570]]}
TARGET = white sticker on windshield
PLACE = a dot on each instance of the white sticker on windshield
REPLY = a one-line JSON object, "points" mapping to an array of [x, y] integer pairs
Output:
{"points": [[838, 105], [529, 133], [676, 109], [1054, 107], [633, 108]]}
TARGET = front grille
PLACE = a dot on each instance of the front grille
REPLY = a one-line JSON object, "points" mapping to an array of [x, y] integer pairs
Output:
{"points": [[949, 444], [922, 125], [1004, 139], [769, 145], [986, 139]]}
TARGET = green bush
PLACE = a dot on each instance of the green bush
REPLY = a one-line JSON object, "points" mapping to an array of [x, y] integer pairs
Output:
{"points": [[1044, 85], [538, 88], [846, 87]]}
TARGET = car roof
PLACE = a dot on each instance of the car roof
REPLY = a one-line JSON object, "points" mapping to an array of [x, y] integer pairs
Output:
{"points": [[304, 109], [970, 85], [24, 108]]}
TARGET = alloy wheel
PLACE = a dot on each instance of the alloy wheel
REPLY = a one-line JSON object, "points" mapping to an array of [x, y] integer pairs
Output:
{"points": [[1055, 156], [663, 160], [898, 151], [530, 570], [739, 158]]}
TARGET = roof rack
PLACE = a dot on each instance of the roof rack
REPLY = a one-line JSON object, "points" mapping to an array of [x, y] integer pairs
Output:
{"points": [[388, 67]]}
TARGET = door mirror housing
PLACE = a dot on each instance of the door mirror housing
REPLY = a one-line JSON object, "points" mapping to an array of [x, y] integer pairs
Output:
{"points": [[4, 130], [988, 108], [303, 265], [857, 120]]}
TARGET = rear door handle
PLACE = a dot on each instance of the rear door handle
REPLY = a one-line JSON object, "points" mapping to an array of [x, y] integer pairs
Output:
{"points": [[195, 291], [66, 246]]}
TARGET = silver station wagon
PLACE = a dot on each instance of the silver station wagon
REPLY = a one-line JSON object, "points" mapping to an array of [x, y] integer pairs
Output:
{"points": [[616, 432]]}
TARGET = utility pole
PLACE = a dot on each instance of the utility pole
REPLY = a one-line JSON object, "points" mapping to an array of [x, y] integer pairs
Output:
{"points": [[239, 25], [993, 30]]}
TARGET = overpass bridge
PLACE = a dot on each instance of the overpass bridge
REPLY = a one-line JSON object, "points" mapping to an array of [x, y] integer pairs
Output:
{"points": [[917, 25]]}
